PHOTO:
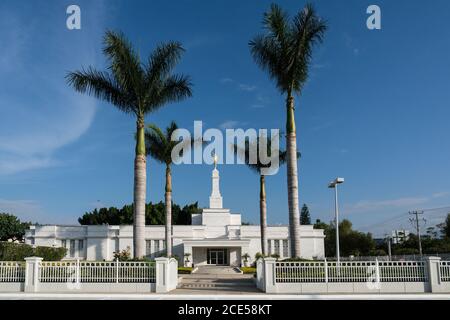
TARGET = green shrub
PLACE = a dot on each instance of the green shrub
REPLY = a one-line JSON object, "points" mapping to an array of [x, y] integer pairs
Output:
{"points": [[296, 260], [10, 251], [185, 270], [124, 255], [248, 270]]}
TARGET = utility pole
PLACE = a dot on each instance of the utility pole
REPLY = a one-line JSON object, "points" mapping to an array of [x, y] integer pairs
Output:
{"points": [[388, 239], [415, 219]]}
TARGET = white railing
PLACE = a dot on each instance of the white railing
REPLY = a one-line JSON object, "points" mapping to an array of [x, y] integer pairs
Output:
{"points": [[97, 272], [444, 270], [356, 271], [12, 271]]}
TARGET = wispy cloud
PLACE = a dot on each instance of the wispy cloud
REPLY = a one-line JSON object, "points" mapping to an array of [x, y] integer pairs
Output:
{"points": [[26, 210], [350, 44], [225, 80], [231, 124], [398, 203], [40, 113], [246, 87]]}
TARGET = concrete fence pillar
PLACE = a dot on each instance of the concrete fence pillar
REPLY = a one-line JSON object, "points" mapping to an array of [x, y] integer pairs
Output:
{"points": [[269, 275], [166, 274], [32, 274], [434, 274]]}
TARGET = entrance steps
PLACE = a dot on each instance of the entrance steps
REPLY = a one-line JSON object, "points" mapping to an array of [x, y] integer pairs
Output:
{"points": [[215, 278]]}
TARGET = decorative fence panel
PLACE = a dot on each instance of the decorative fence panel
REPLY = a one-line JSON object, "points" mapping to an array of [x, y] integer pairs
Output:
{"points": [[35, 275], [355, 271], [12, 271], [444, 270], [97, 272], [313, 277]]}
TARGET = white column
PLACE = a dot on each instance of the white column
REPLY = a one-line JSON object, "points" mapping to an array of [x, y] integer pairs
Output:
{"points": [[269, 275], [32, 274], [434, 274]]}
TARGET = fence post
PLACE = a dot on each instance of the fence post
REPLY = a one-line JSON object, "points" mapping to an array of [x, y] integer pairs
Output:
{"points": [[32, 274], [326, 270], [117, 270], [269, 275], [161, 275], [377, 272], [77, 274], [433, 269]]}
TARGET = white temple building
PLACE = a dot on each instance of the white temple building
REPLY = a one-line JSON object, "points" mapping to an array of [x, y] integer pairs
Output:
{"points": [[216, 237]]}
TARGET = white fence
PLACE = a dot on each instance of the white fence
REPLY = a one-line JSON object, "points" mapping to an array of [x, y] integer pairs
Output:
{"points": [[97, 272], [429, 275], [11, 271], [360, 271], [444, 270], [36, 275]]}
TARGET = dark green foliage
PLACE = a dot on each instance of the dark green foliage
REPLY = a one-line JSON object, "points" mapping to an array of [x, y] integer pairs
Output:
{"points": [[185, 270], [446, 228], [296, 260], [154, 215], [11, 227], [351, 242], [10, 251], [305, 218], [285, 50], [429, 245]]}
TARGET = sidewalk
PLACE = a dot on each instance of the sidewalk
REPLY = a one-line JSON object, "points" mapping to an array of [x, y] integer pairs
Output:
{"points": [[154, 296]]}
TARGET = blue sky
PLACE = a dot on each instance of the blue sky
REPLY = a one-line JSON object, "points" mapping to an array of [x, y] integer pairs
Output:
{"points": [[374, 110]]}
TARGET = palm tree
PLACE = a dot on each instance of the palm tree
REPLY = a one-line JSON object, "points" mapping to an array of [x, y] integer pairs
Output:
{"points": [[159, 146], [285, 52], [258, 167], [137, 88]]}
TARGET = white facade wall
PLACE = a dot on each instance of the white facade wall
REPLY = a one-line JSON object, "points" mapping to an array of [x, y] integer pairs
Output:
{"points": [[215, 227]]}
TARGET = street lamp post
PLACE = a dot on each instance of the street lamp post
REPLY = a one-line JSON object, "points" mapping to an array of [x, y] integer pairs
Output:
{"points": [[333, 184]]}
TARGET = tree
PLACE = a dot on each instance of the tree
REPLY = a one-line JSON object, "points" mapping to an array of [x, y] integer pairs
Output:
{"points": [[285, 52], [159, 146], [154, 215], [135, 88], [351, 242], [305, 218], [446, 228], [257, 164], [11, 228]]}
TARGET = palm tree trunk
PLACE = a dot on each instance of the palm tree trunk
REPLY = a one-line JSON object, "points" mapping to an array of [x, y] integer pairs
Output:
{"points": [[263, 214], [292, 179], [140, 176], [168, 211]]}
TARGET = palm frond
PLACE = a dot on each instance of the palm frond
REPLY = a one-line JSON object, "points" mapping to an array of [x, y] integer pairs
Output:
{"points": [[285, 50], [155, 143], [174, 88], [124, 63], [100, 85], [162, 61]]}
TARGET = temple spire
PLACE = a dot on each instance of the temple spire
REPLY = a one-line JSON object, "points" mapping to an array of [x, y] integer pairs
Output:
{"points": [[215, 200]]}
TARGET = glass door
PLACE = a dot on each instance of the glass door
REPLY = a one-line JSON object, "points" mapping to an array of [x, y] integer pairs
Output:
{"points": [[217, 257]]}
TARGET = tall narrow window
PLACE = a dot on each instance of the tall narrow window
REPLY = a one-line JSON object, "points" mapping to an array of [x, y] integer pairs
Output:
{"points": [[269, 246], [72, 248], [285, 248], [277, 247], [148, 247], [80, 248], [64, 243]]}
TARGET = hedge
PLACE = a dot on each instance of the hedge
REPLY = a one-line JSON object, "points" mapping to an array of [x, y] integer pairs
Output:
{"points": [[185, 270], [10, 251]]}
